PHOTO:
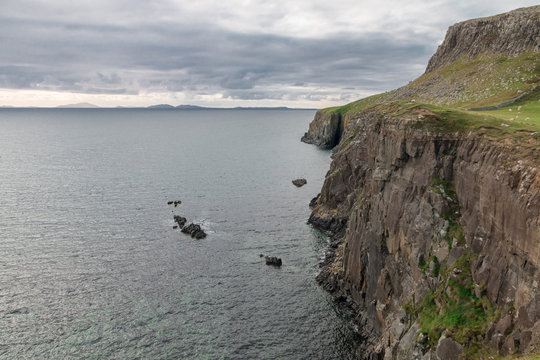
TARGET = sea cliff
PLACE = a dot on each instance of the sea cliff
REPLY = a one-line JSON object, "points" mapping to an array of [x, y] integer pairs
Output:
{"points": [[433, 210]]}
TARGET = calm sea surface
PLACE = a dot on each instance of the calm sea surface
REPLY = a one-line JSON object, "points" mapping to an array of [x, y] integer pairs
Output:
{"points": [[90, 266]]}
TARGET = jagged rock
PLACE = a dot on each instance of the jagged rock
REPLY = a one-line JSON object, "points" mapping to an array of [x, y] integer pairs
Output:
{"points": [[448, 349], [313, 201], [272, 260], [180, 220], [408, 341], [194, 230], [198, 234], [504, 326], [511, 33], [299, 182]]}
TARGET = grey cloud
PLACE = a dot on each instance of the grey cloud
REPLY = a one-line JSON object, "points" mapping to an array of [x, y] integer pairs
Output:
{"points": [[68, 56]]}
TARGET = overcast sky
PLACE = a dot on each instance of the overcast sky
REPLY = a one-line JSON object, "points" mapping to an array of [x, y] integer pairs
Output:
{"points": [[297, 53]]}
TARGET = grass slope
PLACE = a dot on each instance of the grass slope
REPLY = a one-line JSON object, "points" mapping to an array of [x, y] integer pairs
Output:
{"points": [[485, 80]]}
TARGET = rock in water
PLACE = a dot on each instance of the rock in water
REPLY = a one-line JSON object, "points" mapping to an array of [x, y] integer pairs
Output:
{"points": [[195, 231], [180, 220], [198, 234], [299, 182], [169, 202], [272, 260]]}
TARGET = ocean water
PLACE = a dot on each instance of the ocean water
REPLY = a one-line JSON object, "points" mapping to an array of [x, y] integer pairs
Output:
{"points": [[90, 266]]}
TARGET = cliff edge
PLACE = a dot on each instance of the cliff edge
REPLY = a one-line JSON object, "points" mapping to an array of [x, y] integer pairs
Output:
{"points": [[434, 210]]}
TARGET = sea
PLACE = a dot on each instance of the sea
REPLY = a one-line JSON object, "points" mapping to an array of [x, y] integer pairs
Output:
{"points": [[91, 267]]}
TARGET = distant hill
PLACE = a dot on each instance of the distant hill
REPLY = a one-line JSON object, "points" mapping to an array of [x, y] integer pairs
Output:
{"points": [[161, 106], [82, 105], [190, 107]]}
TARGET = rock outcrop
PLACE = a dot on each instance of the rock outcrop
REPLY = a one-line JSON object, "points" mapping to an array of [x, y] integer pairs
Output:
{"points": [[511, 33], [435, 230], [325, 130]]}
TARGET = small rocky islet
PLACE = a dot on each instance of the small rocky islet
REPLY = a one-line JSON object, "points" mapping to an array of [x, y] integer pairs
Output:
{"points": [[194, 230], [299, 182]]}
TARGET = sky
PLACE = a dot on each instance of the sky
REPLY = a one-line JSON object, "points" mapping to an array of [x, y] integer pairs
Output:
{"points": [[227, 53]]}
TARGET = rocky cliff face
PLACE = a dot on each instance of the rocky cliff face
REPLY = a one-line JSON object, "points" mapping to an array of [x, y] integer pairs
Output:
{"points": [[436, 232], [511, 33], [325, 130]]}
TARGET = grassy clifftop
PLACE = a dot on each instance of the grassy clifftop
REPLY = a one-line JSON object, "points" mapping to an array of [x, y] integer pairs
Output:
{"points": [[482, 62], [484, 80]]}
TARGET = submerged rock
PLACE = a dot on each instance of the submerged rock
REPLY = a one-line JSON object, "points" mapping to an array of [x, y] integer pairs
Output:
{"points": [[272, 260], [299, 182]]}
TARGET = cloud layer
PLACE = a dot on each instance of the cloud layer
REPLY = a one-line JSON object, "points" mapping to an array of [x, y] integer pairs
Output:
{"points": [[309, 53]]}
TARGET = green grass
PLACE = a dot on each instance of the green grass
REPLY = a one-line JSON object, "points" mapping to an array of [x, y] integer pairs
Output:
{"points": [[524, 114], [453, 307], [486, 79], [448, 92]]}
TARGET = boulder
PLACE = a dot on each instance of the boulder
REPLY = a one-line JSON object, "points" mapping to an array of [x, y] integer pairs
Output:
{"points": [[299, 182], [272, 260], [448, 349]]}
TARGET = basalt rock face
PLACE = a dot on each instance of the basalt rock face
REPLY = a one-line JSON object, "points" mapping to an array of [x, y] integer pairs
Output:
{"points": [[384, 187], [426, 219], [511, 33], [325, 130]]}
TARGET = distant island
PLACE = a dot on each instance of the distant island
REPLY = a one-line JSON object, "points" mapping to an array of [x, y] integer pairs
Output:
{"points": [[85, 105], [195, 107], [82, 105]]}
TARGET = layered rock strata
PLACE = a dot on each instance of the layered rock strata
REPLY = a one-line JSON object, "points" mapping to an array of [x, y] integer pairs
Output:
{"points": [[435, 234]]}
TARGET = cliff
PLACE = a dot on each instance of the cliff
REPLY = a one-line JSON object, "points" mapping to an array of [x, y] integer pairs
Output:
{"points": [[434, 210], [513, 33], [325, 130]]}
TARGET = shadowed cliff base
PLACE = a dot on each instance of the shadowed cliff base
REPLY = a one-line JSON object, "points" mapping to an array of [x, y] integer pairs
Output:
{"points": [[434, 209]]}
